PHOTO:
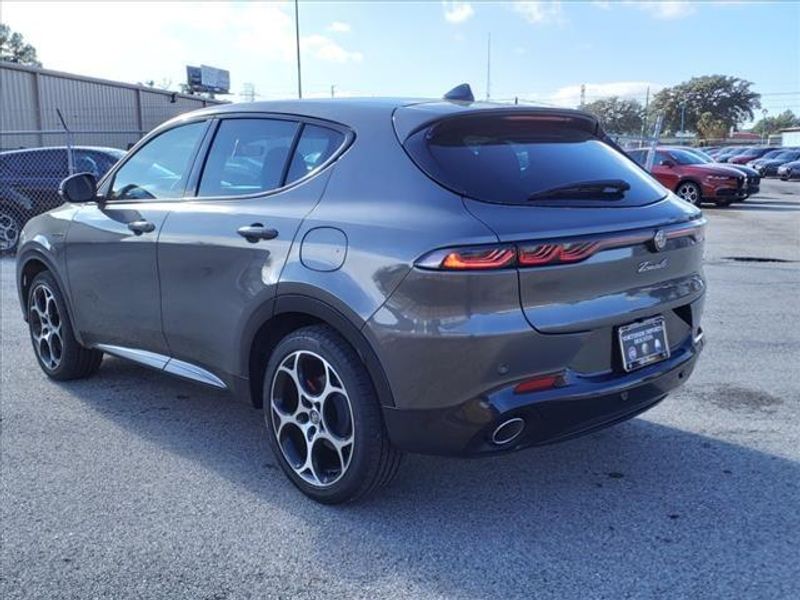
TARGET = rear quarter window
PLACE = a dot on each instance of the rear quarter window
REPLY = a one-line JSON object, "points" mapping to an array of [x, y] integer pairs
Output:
{"points": [[507, 159]]}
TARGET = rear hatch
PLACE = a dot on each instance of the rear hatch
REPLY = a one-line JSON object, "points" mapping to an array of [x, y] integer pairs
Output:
{"points": [[598, 241]]}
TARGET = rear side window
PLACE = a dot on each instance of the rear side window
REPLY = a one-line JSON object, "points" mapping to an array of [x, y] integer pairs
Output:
{"points": [[317, 144], [247, 156], [508, 159]]}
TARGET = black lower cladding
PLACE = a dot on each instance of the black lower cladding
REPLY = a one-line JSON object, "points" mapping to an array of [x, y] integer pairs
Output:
{"points": [[582, 405]]}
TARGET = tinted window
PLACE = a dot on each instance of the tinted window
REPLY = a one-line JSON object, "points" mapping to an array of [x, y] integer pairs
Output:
{"points": [[37, 163], [316, 145], [247, 156], [507, 159], [683, 157], [640, 156], [160, 167]]}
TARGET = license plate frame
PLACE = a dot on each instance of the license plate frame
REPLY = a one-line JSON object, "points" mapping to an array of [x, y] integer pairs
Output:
{"points": [[643, 343]]}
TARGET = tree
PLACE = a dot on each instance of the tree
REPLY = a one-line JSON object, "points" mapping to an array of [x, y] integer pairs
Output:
{"points": [[711, 128], [769, 125], [14, 49], [618, 115], [728, 99]]}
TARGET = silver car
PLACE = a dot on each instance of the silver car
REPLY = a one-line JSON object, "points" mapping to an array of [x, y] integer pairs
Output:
{"points": [[381, 275]]}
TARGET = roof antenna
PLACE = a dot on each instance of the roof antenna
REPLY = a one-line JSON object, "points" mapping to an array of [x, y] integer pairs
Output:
{"points": [[460, 93]]}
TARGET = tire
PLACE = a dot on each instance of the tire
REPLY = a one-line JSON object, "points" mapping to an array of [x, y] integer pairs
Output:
{"points": [[59, 354], [316, 388], [723, 202], [690, 191], [10, 228]]}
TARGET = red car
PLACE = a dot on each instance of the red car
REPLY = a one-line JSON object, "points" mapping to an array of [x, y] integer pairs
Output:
{"points": [[693, 180]]}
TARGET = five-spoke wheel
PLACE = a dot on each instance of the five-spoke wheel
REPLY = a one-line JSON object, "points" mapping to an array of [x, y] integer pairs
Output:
{"points": [[59, 354], [312, 418], [45, 324], [324, 420], [690, 192], [9, 230]]}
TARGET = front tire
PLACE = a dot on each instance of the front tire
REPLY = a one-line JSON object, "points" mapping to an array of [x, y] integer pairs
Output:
{"points": [[323, 418], [690, 192], [59, 354]]}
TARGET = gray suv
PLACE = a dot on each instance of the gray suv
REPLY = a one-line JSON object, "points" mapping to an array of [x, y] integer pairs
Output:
{"points": [[381, 275]]}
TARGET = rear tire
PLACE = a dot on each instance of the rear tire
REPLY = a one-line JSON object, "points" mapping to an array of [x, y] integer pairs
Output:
{"points": [[690, 192], [323, 418], [723, 202], [59, 354], [10, 228]]}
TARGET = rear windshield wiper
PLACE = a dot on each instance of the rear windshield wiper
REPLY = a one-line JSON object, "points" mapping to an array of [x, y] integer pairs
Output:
{"points": [[584, 189]]}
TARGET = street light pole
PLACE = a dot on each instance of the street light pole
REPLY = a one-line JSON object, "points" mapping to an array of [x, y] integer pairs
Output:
{"points": [[683, 117], [297, 43]]}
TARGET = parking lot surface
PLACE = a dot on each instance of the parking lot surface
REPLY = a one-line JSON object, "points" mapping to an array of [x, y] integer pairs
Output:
{"points": [[136, 485]]}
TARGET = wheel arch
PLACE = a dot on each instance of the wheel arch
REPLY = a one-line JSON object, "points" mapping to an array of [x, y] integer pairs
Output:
{"points": [[289, 312], [29, 265]]}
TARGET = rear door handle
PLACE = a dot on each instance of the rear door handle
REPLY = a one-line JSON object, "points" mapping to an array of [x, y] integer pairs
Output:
{"points": [[255, 232], [140, 227]]}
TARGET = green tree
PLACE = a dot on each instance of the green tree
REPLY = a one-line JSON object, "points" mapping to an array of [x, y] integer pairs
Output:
{"points": [[769, 125], [14, 49], [728, 99], [711, 128], [618, 115]]}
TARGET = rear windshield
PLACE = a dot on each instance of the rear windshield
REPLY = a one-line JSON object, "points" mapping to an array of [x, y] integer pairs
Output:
{"points": [[508, 159]]}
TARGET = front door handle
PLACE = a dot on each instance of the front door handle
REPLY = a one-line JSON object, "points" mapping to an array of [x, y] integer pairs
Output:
{"points": [[255, 232], [141, 226]]}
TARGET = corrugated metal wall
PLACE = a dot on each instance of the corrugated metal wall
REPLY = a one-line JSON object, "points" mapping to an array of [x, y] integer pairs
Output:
{"points": [[102, 113]]}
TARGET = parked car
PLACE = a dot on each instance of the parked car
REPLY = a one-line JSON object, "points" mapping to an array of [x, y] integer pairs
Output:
{"points": [[752, 178], [749, 154], [726, 152], [380, 275], [768, 166], [790, 170], [691, 178], [29, 182]]}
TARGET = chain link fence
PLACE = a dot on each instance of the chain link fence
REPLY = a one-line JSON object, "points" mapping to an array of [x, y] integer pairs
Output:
{"points": [[31, 172]]}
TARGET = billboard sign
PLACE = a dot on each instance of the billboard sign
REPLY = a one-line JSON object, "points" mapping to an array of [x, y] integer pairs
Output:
{"points": [[208, 79]]}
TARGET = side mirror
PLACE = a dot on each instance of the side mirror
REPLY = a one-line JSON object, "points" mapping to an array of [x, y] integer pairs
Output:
{"points": [[667, 163], [81, 187]]}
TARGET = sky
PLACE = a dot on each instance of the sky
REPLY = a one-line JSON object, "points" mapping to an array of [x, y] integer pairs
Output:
{"points": [[540, 51]]}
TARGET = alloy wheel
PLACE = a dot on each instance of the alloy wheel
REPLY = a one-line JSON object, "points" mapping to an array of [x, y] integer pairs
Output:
{"points": [[312, 418], [689, 192], [46, 327], [9, 231]]}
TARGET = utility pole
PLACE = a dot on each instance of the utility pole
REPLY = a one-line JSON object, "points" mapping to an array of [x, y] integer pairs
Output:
{"points": [[644, 119], [489, 67], [583, 94], [333, 87], [683, 116], [297, 42]]}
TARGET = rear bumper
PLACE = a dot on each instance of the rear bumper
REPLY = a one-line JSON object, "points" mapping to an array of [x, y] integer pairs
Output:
{"points": [[584, 404]]}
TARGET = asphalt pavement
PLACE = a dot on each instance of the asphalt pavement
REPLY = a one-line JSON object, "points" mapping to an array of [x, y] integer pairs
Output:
{"points": [[134, 484]]}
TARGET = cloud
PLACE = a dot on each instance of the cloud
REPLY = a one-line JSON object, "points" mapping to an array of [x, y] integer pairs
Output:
{"points": [[457, 12], [339, 27], [667, 10], [324, 48], [570, 95], [540, 12]]}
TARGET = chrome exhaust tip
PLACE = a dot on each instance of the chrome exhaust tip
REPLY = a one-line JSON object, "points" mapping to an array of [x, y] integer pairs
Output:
{"points": [[508, 431]]}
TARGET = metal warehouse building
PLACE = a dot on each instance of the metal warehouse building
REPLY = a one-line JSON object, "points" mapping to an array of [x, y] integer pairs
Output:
{"points": [[98, 112]]}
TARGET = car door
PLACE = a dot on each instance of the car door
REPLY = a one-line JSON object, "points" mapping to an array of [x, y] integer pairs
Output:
{"points": [[221, 253], [111, 245], [668, 176]]}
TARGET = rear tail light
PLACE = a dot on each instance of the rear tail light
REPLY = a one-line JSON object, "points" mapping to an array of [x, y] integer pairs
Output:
{"points": [[551, 253]]}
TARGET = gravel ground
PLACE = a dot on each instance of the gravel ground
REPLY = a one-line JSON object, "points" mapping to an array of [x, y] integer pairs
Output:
{"points": [[137, 485]]}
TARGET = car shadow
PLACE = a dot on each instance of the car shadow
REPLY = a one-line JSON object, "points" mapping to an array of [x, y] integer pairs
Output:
{"points": [[618, 509]]}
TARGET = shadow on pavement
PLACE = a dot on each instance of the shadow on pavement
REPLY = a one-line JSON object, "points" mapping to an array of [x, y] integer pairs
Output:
{"points": [[625, 510]]}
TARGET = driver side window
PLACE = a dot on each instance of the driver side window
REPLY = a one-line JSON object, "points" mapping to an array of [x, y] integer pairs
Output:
{"points": [[159, 168]]}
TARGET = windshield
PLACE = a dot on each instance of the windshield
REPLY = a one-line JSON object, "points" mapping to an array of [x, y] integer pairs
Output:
{"points": [[682, 157], [509, 158], [774, 153]]}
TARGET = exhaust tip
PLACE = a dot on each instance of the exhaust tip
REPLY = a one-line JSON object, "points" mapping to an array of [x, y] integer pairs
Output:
{"points": [[508, 431]]}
